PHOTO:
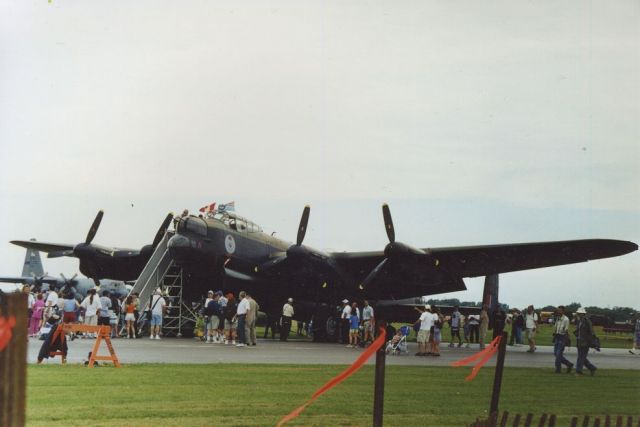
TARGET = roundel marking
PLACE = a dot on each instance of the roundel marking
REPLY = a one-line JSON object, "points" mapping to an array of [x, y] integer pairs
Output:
{"points": [[230, 244]]}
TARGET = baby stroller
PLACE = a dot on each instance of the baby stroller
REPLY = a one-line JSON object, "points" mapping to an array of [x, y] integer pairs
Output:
{"points": [[398, 344]]}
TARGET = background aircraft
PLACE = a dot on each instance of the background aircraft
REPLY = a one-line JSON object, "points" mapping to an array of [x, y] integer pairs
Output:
{"points": [[33, 275], [228, 251], [100, 262]]}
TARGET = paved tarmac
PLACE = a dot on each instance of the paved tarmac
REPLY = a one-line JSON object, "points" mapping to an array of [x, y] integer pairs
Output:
{"points": [[189, 350]]}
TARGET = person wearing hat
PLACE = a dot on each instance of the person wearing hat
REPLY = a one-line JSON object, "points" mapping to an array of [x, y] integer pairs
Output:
{"points": [[426, 322], [585, 335], [345, 320], [287, 316]]}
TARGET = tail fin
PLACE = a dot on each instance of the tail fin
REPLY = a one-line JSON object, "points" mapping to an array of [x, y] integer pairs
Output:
{"points": [[490, 296], [32, 263]]}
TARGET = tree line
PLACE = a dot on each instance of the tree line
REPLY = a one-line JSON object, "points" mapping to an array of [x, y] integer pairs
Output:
{"points": [[616, 314]]}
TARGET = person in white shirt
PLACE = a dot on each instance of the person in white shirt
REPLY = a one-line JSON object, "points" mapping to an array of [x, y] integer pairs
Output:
{"points": [[345, 319], [560, 336], [368, 322], [426, 322], [287, 316], [91, 305], [52, 298], [241, 315], [158, 308], [531, 324]]}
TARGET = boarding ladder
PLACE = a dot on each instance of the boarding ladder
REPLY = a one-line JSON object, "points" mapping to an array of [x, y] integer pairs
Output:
{"points": [[153, 273], [162, 272], [179, 313]]}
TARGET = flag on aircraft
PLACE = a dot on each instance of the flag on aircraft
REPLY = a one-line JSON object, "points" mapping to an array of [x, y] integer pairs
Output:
{"points": [[208, 208], [227, 207]]}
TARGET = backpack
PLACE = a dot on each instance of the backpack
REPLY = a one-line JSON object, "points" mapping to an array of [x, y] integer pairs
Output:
{"points": [[230, 310]]}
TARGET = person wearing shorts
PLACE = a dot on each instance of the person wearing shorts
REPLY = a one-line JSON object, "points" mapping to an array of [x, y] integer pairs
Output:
{"points": [[426, 322], [354, 326], [158, 305], [130, 316]]}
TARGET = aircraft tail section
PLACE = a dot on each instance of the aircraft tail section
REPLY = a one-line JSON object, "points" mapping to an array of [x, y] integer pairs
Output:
{"points": [[32, 265], [490, 295]]}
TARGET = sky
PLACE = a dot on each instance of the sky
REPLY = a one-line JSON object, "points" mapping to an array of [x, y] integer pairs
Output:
{"points": [[479, 123]]}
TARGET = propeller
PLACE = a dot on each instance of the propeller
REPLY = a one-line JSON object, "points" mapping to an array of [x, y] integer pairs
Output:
{"points": [[302, 229], [94, 227], [294, 249], [392, 249], [162, 230], [68, 281], [37, 280], [388, 223]]}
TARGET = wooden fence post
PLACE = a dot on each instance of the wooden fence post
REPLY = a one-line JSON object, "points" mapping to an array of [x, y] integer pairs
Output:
{"points": [[378, 393], [497, 381], [13, 359]]}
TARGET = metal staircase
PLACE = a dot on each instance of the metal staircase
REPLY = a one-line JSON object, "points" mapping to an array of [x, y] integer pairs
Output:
{"points": [[162, 272], [152, 274]]}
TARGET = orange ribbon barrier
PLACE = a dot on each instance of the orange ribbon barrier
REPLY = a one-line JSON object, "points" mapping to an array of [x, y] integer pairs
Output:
{"points": [[482, 357], [379, 342]]}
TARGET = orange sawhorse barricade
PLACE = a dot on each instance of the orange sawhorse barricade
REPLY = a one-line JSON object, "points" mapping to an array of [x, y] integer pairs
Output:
{"points": [[104, 333]]}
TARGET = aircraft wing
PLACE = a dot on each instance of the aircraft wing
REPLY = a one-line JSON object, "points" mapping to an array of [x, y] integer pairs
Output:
{"points": [[29, 280], [451, 264], [43, 246], [473, 261]]}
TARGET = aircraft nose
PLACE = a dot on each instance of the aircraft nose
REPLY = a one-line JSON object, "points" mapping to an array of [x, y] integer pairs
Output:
{"points": [[179, 246]]}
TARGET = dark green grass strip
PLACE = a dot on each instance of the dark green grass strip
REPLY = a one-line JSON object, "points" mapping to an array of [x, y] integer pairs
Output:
{"points": [[257, 395]]}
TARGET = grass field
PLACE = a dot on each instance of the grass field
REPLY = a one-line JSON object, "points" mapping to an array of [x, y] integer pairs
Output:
{"points": [[259, 395]]}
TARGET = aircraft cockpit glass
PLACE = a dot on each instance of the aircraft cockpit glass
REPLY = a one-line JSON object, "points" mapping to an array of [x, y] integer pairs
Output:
{"points": [[193, 224], [237, 223]]}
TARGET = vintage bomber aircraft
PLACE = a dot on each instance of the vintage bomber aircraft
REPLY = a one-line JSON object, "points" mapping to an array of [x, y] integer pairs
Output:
{"points": [[236, 250], [100, 262]]}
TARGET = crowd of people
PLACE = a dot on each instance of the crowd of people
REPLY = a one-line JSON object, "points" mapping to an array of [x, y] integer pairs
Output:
{"points": [[233, 321], [230, 321], [97, 308]]}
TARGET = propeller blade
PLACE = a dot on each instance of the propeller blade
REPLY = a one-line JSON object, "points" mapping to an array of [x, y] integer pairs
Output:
{"points": [[73, 277], [373, 274], [94, 227], [388, 223], [63, 278], [58, 254], [162, 230], [302, 230]]}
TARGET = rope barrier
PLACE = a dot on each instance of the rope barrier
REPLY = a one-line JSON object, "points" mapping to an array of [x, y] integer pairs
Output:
{"points": [[360, 361]]}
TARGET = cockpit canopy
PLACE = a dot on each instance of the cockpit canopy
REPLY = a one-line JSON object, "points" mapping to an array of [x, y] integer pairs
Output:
{"points": [[236, 222], [198, 225]]}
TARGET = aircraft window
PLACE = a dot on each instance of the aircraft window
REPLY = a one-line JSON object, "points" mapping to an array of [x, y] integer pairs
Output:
{"points": [[196, 225], [242, 226], [232, 224], [253, 228]]}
